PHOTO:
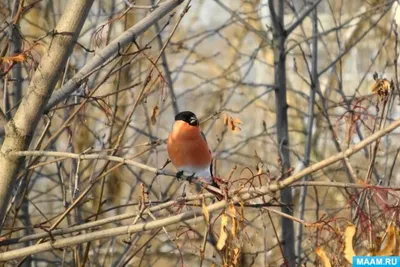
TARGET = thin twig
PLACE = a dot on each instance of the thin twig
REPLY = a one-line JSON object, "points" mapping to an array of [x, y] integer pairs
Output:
{"points": [[302, 17], [310, 123], [261, 191], [110, 50]]}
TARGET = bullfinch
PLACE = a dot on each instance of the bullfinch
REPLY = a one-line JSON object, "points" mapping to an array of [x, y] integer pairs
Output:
{"points": [[188, 149]]}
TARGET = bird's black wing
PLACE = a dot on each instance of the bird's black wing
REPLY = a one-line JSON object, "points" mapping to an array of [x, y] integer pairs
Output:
{"points": [[204, 136], [205, 139], [213, 183]]}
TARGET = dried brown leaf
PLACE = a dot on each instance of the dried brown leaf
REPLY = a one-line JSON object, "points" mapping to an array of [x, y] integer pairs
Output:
{"points": [[236, 253], [153, 118], [348, 242], [232, 123], [381, 87], [397, 250], [226, 119], [232, 213], [223, 235], [322, 255], [241, 218], [390, 244], [17, 58]]}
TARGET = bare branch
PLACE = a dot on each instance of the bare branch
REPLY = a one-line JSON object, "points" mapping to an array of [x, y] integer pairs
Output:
{"points": [[247, 195], [245, 24], [302, 17], [142, 166], [117, 218], [110, 50], [84, 157], [15, 49], [20, 129]]}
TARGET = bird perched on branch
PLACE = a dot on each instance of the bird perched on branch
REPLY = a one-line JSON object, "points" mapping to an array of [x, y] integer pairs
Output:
{"points": [[188, 149]]}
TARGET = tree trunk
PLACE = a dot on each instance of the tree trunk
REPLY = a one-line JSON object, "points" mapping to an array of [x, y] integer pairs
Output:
{"points": [[21, 128], [279, 40]]}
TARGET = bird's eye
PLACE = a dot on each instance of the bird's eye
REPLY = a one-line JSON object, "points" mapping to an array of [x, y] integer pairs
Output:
{"points": [[194, 121]]}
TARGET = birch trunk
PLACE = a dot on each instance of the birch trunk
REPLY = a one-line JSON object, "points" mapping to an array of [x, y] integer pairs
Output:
{"points": [[20, 129]]}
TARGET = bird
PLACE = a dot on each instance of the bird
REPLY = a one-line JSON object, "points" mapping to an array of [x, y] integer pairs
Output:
{"points": [[188, 149]]}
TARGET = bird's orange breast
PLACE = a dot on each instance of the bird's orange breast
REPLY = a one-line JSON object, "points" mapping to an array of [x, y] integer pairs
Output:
{"points": [[187, 147]]}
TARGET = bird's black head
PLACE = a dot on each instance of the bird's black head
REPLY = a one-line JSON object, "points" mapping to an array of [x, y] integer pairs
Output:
{"points": [[187, 116]]}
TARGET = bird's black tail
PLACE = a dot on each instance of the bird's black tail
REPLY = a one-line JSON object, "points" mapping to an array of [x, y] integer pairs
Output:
{"points": [[213, 183]]}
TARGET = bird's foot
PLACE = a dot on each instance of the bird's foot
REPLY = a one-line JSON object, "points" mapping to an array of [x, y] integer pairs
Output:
{"points": [[179, 175], [190, 178]]}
